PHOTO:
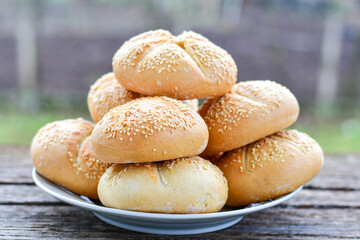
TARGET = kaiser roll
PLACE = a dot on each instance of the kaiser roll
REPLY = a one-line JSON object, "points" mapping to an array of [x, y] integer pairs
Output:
{"points": [[186, 185], [61, 152], [149, 129], [107, 93], [183, 67], [270, 167], [253, 110]]}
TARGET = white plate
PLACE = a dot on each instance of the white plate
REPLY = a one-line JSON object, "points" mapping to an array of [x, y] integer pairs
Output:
{"points": [[158, 223]]}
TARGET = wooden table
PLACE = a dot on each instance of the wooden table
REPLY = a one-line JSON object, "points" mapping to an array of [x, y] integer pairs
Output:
{"points": [[328, 207]]}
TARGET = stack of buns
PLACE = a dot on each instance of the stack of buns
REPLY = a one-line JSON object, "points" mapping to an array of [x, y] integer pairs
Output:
{"points": [[151, 149]]}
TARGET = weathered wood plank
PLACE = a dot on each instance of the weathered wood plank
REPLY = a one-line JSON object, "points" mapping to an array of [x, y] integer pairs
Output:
{"points": [[325, 199], [339, 171], [33, 222], [316, 212], [24, 194], [15, 164], [27, 194]]}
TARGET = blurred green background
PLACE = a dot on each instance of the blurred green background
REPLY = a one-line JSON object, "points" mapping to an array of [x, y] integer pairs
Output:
{"points": [[52, 51]]}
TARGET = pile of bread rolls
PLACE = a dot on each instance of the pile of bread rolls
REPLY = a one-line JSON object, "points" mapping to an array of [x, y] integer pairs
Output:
{"points": [[152, 150]]}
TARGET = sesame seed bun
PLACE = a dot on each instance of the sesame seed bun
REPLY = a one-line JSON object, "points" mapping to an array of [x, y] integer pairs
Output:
{"points": [[270, 167], [61, 152], [149, 129], [253, 110], [107, 93], [187, 66], [186, 185]]}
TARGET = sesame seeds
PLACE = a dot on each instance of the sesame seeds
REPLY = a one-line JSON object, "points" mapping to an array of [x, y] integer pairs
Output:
{"points": [[216, 64], [165, 58], [107, 93], [162, 55], [300, 140], [87, 163], [266, 149], [147, 116], [132, 52], [257, 154], [250, 98], [267, 92], [60, 132], [72, 135], [225, 111]]}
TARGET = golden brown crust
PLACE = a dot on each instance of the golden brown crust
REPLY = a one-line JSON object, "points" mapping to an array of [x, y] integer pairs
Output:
{"points": [[105, 94], [254, 109], [149, 129], [61, 152], [192, 103], [187, 185], [184, 67], [270, 167]]}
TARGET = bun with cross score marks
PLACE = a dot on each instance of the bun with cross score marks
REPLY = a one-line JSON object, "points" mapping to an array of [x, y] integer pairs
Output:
{"points": [[252, 110], [107, 93], [149, 129], [61, 152], [187, 66], [185, 185], [271, 167]]}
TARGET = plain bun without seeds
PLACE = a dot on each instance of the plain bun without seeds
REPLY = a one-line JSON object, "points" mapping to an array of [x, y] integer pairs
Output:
{"points": [[187, 66], [270, 167], [149, 129], [62, 153], [252, 110], [186, 185]]}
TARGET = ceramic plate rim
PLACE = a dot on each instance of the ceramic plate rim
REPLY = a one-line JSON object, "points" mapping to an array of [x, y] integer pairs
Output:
{"points": [[76, 200]]}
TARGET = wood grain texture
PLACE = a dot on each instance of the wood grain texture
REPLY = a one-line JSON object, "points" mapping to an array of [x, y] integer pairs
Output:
{"points": [[31, 222], [328, 208], [16, 164]]}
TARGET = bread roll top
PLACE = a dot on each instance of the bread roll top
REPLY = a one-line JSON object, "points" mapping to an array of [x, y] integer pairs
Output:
{"points": [[253, 110], [149, 129], [105, 94], [184, 67], [61, 152], [270, 167], [186, 185]]}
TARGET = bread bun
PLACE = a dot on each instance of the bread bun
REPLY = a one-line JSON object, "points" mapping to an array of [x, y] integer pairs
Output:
{"points": [[253, 110], [107, 93], [61, 152], [149, 129], [270, 167], [192, 103], [187, 66], [186, 185]]}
